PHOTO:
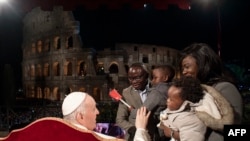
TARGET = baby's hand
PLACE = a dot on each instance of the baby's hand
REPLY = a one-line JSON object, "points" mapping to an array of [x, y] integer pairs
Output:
{"points": [[163, 115]]}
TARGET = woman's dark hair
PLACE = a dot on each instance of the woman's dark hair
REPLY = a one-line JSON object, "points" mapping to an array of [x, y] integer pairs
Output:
{"points": [[210, 67], [191, 89]]}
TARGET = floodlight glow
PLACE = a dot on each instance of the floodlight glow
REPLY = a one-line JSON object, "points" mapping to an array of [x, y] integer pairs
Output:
{"points": [[3, 1], [6, 6]]}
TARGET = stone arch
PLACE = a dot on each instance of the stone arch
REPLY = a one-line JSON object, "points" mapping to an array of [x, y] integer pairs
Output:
{"points": [[97, 94], [57, 43], [145, 58], [47, 45], [39, 46], [46, 70], [33, 48], [32, 70], [27, 71], [56, 69], [38, 70], [81, 67], [68, 90], [47, 93], [68, 68], [55, 94], [113, 68], [126, 68], [39, 93], [69, 43]]}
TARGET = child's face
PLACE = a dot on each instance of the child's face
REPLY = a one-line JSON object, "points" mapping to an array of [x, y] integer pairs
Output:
{"points": [[158, 76], [174, 100]]}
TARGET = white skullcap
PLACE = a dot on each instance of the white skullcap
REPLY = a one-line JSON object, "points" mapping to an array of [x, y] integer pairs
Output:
{"points": [[72, 102]]}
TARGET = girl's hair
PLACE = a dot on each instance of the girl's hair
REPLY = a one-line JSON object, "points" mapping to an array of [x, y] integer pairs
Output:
{"points": [[191, 88]]}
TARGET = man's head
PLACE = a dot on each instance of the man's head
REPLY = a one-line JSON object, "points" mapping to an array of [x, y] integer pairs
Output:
{"points": [[138, 76], [80, 108]]}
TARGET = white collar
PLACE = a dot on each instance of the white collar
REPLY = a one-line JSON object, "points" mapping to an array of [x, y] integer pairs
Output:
{"points": [[99, 134], [80, 126]]}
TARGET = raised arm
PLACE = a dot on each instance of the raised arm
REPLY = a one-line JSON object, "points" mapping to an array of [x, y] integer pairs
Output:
{"points": [[141, 122]]}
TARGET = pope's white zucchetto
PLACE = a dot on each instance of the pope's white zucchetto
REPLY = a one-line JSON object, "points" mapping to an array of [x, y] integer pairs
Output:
{"points": [[72, 101]]}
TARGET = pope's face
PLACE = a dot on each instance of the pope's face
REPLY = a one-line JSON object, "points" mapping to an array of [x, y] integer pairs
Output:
{"points": [[88, 117]]}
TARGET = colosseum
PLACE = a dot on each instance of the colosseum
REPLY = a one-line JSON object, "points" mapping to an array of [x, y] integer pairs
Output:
{"points": [[55, 62]]}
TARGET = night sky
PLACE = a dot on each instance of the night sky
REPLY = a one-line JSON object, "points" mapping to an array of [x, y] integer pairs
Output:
{"points": [[172, 27]]}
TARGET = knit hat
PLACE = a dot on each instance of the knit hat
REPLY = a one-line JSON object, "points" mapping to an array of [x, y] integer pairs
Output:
{"points": [[72, 102]]}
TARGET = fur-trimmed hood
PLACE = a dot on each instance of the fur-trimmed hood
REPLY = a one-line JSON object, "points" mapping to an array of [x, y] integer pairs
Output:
{"points": [[224, 107]]}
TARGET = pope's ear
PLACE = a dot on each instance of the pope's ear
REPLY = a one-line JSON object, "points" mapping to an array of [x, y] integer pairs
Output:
{"points": [[79, 116]]}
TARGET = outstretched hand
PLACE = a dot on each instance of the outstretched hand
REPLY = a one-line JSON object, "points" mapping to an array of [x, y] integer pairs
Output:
{"points": [[142, 118]]}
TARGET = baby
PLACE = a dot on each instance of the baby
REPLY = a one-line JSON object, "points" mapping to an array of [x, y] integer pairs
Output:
{"points": [[183, 96]]}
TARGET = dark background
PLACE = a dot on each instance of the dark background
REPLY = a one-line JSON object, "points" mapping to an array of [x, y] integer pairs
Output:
{"points": [[172, 27]]}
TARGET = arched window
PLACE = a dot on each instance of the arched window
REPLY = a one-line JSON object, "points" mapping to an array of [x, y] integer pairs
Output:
{"points": [[113, 68], [68, 68], [82, 69], [56, 69], [33, 48], [46, 70], [55, 94], [96, 94], [46, 93], [57, 43], [47, 45], [70, 42], [39, 92], [38, 70], [32, 71], [39, 46]]}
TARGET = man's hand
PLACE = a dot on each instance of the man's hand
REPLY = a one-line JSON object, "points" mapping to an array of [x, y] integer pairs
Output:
{"points": [[131, 108]]}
